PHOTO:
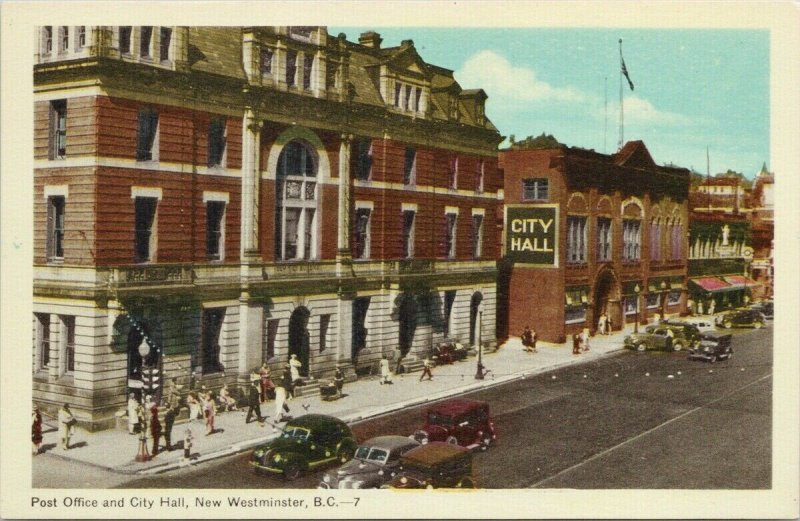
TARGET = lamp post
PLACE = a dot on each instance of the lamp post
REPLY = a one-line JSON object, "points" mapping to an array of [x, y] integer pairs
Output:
{"points": [[636, 290], [663, 300], [479, 374]]}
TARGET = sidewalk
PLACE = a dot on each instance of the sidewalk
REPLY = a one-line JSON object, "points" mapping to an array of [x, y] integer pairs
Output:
{"points": [[115, 449]]}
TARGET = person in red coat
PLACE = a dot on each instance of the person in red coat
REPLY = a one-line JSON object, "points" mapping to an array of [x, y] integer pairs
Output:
{"points": [[36, 432], [155, 428]]}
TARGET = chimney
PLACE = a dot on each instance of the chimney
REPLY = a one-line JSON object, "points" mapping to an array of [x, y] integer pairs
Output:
{"points": [[370, 39]]}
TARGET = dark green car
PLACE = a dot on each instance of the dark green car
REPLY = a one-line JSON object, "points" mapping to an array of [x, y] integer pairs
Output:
{"points": [[305, 443]]}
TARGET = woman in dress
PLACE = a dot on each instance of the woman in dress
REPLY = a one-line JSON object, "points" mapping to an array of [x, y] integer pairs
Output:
{"points": [[36, 432], [66, 421]]}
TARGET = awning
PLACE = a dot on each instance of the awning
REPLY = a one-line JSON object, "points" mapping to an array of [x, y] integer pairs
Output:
{"points": [[713, 284], [740, 281]]}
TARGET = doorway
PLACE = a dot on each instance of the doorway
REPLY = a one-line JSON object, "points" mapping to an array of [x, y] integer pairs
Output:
{"points": [[299, 339]]}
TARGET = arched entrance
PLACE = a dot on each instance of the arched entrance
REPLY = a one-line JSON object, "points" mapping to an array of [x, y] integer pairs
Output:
{"points": [[299, 337], [475, 318], [407, 322], [607, 294]]}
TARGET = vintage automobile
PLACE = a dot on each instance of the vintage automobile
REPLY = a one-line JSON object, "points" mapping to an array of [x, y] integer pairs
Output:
{"points": [[690, 331], [741, 318], [434, 465], [458, 421], [765, 307], [307, 442], [712, 347], [655, 337], [448, 351], [702, 323], [375, 462]]}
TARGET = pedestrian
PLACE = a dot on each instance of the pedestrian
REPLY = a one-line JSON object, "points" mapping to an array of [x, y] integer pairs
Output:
{"points": [[534, 338], [338, 380], [187, 444], [669, 339], [155, 428], [585, 339], [426, 369], [711, 307], [169, 421], [210, 412], [609, 325], [66, 422], [253, 403], [601, 324], [287, 382], [193, 401], [173, 393], [133, 418], [265, 378], [527, 339], [700, 309], [228, 401], [280, 402], [36, 430], [576, 344], [386, 373], [295, 366]]}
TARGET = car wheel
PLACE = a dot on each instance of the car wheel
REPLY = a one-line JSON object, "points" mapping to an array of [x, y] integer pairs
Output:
{"points": [[677, 346], [640, 347], [466, 483], [291, 471], [758, 325], [485, 442], [451, 440], [727, 324], [344, 455]]}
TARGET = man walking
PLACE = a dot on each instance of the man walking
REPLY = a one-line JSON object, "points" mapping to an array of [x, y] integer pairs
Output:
{"points": [[527, 339], [169, 421], [66, 421], [155, 428], [253, 403], [426, 369]]}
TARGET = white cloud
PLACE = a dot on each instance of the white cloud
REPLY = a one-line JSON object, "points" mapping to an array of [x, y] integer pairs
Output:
{"points": [[640, 110], [500, 79]]}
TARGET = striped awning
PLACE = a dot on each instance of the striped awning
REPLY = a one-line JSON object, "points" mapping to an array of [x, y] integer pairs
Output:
{"points": [[740, 281], [712, 284]]}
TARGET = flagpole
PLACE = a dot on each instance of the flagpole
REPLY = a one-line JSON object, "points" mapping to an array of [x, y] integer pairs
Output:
{"points": [[621, 109], [605, 127]]}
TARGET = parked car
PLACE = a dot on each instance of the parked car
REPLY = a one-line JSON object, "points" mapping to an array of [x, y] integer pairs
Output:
{"points": [[703, 324], [765, 307], [305, 443], [712, 347], [434, 465], [741, 318], [690, 331], [376, 461], [655, 337], [458, 421]]}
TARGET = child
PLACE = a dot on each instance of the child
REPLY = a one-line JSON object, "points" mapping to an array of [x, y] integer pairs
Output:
{"points": [[187, 444]]}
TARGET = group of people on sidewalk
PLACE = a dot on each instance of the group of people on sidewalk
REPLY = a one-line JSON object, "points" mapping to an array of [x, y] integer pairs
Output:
{"points": [[66, 427]]}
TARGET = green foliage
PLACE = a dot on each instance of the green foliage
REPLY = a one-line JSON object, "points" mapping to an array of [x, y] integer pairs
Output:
{"points": [[539, 142]]}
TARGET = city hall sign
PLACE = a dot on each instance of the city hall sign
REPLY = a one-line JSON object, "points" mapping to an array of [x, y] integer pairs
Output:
{"points": [[532, 234]]}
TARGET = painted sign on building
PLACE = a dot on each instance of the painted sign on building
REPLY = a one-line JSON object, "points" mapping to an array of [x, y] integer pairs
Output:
{"points": [[532, 234]]}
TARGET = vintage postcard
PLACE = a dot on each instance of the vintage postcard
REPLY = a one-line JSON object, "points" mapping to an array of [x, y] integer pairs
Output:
{"points": [[291, 259]]}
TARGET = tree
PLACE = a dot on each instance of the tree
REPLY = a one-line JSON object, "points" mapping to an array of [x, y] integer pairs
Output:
{"points": [[541, 141]]}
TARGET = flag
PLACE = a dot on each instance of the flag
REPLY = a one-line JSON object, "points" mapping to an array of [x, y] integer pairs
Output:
{"points": [[625, 71]]}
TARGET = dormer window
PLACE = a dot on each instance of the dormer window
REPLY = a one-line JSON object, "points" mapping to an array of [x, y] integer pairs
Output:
{"points": [[81, 36], [308, 64], [453, 108], [166, 39], [47, 37], [397, 89], [145, 41], [64, 40], [417, 98], [291, 68], [125, 39]]}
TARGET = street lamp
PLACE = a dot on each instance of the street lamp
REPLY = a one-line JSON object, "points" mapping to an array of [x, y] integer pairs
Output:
{"points": [[479, 374], [636, 290], [663, 300]]}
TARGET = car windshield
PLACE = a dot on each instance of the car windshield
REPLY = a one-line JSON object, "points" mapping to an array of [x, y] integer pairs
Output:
{"points": [[298, 433], [440, 419], [372, 454]]}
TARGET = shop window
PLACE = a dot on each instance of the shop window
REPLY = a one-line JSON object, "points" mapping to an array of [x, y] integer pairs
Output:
{"points": [[673, 298], [575, 305], [535, 189], [653, 300], [629, 304]]}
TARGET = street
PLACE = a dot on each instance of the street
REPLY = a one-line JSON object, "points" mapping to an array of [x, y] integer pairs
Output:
{"points": [[632, 420]]}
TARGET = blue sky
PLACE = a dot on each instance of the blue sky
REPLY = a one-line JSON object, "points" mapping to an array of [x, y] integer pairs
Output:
{"points": [[692, 88]]}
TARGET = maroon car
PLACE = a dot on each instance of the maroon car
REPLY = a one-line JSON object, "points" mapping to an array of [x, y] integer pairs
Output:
{"points": [[459, 421]]}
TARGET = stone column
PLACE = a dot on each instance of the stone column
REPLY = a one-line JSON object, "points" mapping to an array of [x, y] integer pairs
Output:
{"points": [[344, 331], [343, 236], [251, 320], [251, 174]]}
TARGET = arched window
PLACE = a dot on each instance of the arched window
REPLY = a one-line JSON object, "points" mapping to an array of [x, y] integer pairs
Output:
{"points": [[297, 199]]}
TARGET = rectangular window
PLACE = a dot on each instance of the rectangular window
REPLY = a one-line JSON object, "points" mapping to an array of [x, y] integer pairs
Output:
{"points": [[64, 40], [266, 61], [144, 235], [361, 234], [479, 171], [363, 160], [576, 239], [603, 239], [410, 167], [452, 177], [147, 134], [631, 240], [653, 300], [450, 235], [397, 90], [47, 37], [673, 298], [291, 233], [408, 233], [58, 129], [417, 98], [81, 36], [272, 335], [324, 322], [407, 101], [43, 339], [216, 142], [477, 236], [166, 40], [655, 241], [145, 41], [55, 227], [69, 344], [291, 68], [575, 306], [535, 189], [630, 305], [125, 39], [308, 64], [215, 230]]}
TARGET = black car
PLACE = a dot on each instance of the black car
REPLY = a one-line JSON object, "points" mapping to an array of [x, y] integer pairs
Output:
{"points": [[307, 442], [434, 465], [766, 308], [741, 318], [712, 347]]}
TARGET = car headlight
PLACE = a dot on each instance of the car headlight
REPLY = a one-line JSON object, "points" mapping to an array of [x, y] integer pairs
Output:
{"points": [[258, 453], [326, 478], [276, 458]]}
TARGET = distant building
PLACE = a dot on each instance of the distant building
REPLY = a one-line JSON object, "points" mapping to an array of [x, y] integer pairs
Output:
{"points": [[762, 217], [211, 198], [588, 233]]}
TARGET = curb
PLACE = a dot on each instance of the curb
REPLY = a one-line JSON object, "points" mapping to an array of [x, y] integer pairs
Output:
{"points": [[359, 417]]}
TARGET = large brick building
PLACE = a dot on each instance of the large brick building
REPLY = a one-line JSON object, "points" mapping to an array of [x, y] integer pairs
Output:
{"points": [[207, 199], [583, 232]]}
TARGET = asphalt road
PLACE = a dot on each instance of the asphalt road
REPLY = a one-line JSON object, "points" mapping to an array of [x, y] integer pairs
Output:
{"points": [[633, 420]]}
